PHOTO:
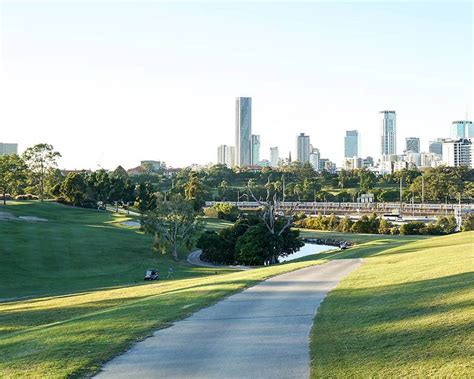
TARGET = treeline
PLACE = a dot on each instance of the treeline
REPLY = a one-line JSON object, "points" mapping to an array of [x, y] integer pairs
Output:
{"points": [[249, 242], [378, 225]]}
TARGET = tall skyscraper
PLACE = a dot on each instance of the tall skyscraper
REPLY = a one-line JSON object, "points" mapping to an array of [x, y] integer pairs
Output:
{"points": [[274, 156], [458, 129], [8, 148], [255, 149], [243, 131], [351, 144], [388, 133], [221, 154], [303, 148], [436, 147], [412, 145]]}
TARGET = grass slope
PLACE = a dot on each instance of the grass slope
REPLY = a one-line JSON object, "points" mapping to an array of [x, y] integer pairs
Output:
{"points": [[407, 312], [77, 249]]}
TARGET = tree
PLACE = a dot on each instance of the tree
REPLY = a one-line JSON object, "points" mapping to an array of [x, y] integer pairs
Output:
{"points": [[40, 159], [12, 174], [173, 224], [367, 180], [74, 188], [275, 223], [194, 191]]}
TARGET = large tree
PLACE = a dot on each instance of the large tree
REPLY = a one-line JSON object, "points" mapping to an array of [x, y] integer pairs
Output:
{"points": [[173, 224], [41, 159], [12, 174]]}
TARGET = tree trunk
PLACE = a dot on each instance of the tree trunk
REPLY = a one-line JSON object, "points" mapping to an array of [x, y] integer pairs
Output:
{"points": [[4, 198], [175, 252]]}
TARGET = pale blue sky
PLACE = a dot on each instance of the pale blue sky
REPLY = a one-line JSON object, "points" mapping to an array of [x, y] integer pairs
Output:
{"points": [[118, 82]]}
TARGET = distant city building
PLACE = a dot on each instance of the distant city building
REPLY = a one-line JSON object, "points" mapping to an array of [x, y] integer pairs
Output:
{"points": [[274, 156], [458, 152], [255, 149], [436, 147], [243, 131], [460, 129], [314, 159], [469, 129], [368, 162], [226, 155], [155, 165], [353, 163], [388, 144], [351, 144], [413, 158], [8, 148], [303, 148], [412, 145], [430, 159]]}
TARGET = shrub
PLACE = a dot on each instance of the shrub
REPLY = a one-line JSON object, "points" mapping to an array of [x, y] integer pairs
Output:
{"points": [[412, 228], [468, 223]]}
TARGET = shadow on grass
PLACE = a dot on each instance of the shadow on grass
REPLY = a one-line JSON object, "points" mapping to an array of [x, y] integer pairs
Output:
{"points": [[384, 325]]}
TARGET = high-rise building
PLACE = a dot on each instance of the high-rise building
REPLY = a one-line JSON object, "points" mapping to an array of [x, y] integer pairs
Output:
{"points": [[412, 145], [462, 129], [221, 154], [458, 152], [303, 148], [436, 147], [8, 148], [388, 133], [314, 159], [255, 149], [351, 144], [226, 155], [243, 131], [459, 129], [274, 156], [469, 129]]}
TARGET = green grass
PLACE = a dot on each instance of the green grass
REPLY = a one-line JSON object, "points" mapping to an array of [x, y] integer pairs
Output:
{"points": [[90, 305], [77, 249], [407, 312]]}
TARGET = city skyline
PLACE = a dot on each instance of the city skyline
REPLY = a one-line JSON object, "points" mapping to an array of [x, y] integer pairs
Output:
{"points": [[161, 73]]}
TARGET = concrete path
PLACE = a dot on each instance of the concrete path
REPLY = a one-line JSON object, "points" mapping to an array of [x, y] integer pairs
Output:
{"points": [[194, 258], [262, 332]]}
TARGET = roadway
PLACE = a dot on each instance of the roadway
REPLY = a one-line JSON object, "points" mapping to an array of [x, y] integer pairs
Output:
{"points": [[262, 332]]}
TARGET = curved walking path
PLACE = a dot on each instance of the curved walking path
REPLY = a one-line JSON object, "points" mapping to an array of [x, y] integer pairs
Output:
{"points": [[262, 332], [194, 258]]}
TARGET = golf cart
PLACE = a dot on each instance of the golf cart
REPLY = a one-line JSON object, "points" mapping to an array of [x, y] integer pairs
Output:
{"points": [[151, 274]]}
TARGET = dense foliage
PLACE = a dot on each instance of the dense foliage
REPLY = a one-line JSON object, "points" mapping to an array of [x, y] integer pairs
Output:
{"points": [[248, 242], [377, 225]]}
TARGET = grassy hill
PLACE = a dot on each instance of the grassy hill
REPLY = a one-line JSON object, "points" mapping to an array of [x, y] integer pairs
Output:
{"points": [[76, 249], [407, 312]]}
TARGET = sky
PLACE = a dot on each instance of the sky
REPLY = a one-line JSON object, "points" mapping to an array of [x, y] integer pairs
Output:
{"points": [[114, 82]]}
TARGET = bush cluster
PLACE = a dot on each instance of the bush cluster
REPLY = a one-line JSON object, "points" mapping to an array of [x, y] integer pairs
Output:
{"points": [[248, 242], [27, 196], [377, 225]]}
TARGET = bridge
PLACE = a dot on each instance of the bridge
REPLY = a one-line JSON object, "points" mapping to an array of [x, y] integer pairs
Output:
{"points": [[327, 208]]}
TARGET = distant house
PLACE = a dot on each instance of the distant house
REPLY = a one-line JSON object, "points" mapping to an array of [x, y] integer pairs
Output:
{"points": [[135, 171]]}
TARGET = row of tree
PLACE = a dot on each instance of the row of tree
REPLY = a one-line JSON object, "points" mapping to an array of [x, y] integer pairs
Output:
{"points": [[378, 225]]}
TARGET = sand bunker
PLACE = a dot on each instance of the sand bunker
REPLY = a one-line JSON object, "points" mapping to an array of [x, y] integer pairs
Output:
{"points": [[131, 223], [6, 216]]}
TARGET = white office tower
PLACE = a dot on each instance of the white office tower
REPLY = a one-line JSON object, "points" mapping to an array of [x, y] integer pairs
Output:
{"points": [[458, 152], [8, 148], [388, 144], [315, 159], [351, 144], [255, 150], [243, 131], [303, 148], [412, 145], [226, 155], [462, 129], [274, 156]]}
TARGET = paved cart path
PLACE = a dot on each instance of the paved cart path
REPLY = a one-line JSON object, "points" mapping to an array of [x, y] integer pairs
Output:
{"points": [[262, 332]]}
